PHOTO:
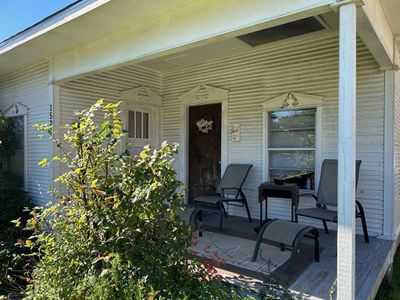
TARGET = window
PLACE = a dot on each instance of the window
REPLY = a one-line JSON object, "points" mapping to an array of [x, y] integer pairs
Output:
{"points": [[291, 146], [16, 163], [138, 124]]}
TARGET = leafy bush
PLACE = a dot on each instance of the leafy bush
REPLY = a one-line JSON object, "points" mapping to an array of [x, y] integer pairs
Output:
{"points": [[14, 269], [8, 139], [108, 235], [390, 286], [13, 201]]}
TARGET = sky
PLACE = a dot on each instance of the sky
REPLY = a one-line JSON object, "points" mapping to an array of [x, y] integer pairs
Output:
{"points": [[16, 15]]}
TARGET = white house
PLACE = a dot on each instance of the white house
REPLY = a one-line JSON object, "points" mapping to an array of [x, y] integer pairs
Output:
{"points": [[237, 63]]}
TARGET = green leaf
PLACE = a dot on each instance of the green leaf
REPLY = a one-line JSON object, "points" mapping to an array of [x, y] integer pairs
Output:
{"points": [[44, 162]]}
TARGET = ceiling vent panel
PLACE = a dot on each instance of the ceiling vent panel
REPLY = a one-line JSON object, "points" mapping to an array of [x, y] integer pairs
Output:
{"points": [[281, 32]]}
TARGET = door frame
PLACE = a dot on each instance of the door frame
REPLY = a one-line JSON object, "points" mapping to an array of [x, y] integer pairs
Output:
{"points": [[201, 95]]}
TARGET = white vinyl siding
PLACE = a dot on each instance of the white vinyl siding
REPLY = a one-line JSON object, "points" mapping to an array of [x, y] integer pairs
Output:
{"points": [[30, 88], [79, 94], [304, 65]]}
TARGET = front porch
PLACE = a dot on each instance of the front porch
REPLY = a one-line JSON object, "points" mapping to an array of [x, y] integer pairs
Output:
{"points": [[306, 278], [255, 86]]}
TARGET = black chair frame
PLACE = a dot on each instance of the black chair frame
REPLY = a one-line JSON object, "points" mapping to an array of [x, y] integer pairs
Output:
{"points": [[239, 200], [359, 214]]}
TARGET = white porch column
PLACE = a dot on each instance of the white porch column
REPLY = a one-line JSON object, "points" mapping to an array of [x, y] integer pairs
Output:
{"points": [[346, 153]]}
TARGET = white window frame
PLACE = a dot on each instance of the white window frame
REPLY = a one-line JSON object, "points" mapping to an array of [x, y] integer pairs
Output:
{"points": [[18, 110], [150, 127], [293, 101], [142, 99]]}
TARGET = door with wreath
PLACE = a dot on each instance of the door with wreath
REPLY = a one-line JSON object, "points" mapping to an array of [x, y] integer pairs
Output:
{"points": [[204, 148]]}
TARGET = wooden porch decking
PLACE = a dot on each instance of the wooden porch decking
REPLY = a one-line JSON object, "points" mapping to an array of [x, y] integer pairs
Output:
{"points": [[317, 279]]}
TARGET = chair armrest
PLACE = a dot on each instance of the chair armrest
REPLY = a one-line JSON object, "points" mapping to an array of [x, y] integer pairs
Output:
{"points": [[238, 190]]}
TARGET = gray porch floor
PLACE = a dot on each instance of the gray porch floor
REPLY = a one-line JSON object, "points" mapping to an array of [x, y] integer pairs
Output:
{"points": [[317, 279]]}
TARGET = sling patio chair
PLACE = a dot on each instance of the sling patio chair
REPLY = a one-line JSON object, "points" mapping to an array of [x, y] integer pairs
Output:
{"points": [[228, 191], [327, 196]]}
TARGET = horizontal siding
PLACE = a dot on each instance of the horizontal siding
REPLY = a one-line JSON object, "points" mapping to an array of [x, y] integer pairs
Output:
{"points": [[30, 87], [307, 65], [81, 93]]}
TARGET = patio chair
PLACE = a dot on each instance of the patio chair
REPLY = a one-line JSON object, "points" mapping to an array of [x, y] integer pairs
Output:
{"points": [[327, 196], [228, 191]]}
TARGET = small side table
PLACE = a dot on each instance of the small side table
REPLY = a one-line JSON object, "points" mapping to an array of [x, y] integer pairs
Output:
{"points": [[271, 189]]}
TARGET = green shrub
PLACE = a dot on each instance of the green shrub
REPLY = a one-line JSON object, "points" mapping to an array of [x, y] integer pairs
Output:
{"points": [[14, 269], [390, 289], [108, 236], [8, 139], [13, 201]]}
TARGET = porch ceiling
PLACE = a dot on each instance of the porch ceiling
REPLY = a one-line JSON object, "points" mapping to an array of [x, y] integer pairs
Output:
{"points": [[392, 10], [100, 34], [77, 25], [216, 50]]}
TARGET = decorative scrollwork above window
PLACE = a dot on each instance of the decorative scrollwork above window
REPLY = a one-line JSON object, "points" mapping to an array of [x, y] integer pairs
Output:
{"points": [[143, 95], [292, 100]]}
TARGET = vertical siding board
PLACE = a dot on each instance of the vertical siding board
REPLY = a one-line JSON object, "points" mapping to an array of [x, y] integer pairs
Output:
{"points": [[307, 65], [30, 87]]}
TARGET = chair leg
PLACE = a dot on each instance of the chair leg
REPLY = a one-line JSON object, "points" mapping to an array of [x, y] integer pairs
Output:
{"points": [[325, 227], [223, 208], [200, 218], [259, 239], [221, 219], [316, 244], [247, 209], [363, 221]]}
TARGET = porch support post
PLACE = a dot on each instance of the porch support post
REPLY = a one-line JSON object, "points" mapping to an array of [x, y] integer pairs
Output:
{"points": [[346, 152]]}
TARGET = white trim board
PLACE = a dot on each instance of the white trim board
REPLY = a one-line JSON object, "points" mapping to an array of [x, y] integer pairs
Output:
{"points": [[201, 95], [15, 109], [388, 192]]}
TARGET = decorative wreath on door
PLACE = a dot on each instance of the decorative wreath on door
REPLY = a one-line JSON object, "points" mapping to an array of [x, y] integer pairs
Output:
{"points": [[205, 124]]}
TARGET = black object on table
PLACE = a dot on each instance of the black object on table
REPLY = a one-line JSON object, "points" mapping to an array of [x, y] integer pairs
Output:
{"points": [[271, 189]]}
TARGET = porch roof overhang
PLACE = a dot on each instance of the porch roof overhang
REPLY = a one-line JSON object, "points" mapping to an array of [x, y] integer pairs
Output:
{"points": [[93, 35], [377, 26]]}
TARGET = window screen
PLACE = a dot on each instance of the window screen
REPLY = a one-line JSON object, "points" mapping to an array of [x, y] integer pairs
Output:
{"points": [[16, 162], [138, 124], [291, 146]]}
